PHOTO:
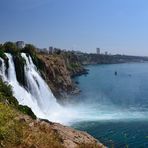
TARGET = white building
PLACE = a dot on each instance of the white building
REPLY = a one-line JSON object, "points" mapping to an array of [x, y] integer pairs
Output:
{"points": [[98, 50], [20, 44]]}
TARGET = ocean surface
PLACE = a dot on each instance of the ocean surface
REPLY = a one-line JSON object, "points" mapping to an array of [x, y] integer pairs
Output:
{"points": [[114, 108]]}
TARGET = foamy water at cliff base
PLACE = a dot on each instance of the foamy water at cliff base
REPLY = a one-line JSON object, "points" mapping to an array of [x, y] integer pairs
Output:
{"points": [[115, 107], [38, 96]]}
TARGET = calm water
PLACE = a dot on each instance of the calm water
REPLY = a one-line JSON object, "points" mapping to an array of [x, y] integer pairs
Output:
{"points": [[114, 109]]}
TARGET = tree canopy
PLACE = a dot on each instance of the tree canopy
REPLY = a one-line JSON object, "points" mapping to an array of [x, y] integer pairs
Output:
{"points": [[10, 47]]}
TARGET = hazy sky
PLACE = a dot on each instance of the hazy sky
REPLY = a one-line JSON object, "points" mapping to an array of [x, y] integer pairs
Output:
{"points": [[118, 26]]}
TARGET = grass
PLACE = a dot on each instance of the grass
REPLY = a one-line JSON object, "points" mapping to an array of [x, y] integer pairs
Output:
{"points": [[15, 129], [10, 129], [17, 133]]}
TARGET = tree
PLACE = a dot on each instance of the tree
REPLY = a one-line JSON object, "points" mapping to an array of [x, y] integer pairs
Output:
{"points": [[1, 46], [29, 48], [2, 54], [10, 47]]}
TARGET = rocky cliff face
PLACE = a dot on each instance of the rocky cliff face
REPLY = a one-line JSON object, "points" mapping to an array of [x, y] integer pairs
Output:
{"points": [[56, 69], [56, 73], [87, 59], [74, 64]]}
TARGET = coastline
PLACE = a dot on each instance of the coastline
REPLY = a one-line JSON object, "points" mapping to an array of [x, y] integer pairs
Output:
{"points": [[57, 70]]}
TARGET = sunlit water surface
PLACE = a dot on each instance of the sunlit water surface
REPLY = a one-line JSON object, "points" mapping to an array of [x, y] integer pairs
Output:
{"points": [[114, 108]]}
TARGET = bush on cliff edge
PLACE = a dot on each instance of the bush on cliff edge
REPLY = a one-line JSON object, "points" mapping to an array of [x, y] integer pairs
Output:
{"points": [[6, 97]]}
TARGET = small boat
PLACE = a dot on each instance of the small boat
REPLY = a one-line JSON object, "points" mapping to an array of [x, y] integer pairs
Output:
{"points": [[115, 73]]}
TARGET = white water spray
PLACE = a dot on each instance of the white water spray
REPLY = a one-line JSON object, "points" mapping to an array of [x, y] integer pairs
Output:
{"points": [[40, 99], [23, 96], [38, 96], [2, 70]]}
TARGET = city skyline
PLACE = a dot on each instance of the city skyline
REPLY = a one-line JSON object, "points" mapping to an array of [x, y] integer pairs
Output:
{"points": [[118, 26]]}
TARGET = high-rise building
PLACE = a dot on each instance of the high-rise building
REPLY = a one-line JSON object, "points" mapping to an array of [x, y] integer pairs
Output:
{"points": [[50, 49], [106, 53], [98, 50]]}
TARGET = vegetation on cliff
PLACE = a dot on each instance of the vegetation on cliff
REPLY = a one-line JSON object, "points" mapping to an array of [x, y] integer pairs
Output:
{"points": [[17, 129], [74, 64], [10, 47], [19, 62], [2, 54], [58, 67], [6, 96]]}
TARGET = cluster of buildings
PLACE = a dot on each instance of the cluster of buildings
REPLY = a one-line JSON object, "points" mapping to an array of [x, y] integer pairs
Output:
{"points": [[98, 51], [21, 44], [50, 50]]}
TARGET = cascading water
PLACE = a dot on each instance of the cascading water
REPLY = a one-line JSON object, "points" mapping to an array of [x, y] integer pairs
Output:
{"points": [[40, 90], [40, 99], [2, 70], [23, 96], [37, 95], [38, 87]]}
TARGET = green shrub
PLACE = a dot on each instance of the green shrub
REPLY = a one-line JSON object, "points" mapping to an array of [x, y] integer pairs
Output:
{"points": [[29, 48], [19, 63], [2, 53], [6, 95], [10, 129], [26, 110], [10, 47], [5, 89]]}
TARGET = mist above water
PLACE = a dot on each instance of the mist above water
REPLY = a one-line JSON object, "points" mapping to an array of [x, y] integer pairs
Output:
{"points": [[116, 106], [37, 95], [101, 99], [106, 96]]}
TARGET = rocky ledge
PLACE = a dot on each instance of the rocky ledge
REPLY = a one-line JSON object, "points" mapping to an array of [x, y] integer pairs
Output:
{"points": [[18, 130], [58, 71], [65, 136]]}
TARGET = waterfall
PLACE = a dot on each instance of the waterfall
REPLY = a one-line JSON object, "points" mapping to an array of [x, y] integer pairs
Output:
{"points": [[37, 95], [2, 70], [22, 95], [38, 87]]}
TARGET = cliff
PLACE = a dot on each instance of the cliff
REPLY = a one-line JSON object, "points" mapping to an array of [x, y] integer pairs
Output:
{"points": [[56, 74], [87, 59], [73, 64], [59, 67], [58, 70], [19, 129]]}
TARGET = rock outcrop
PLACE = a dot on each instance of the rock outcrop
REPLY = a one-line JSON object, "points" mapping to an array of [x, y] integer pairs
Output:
{"points": [[56, 74], [19, 130], [58, 71], [64, 136], [74, 64]]}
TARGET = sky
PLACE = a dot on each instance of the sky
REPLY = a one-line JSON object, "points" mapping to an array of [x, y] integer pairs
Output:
{"points": [[116, 26]]}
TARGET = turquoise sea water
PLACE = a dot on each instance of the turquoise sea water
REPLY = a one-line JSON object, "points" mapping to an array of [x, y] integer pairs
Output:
{"points": [[115, 106]]}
